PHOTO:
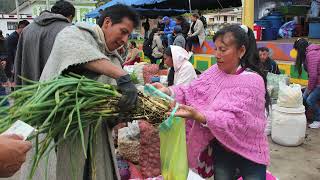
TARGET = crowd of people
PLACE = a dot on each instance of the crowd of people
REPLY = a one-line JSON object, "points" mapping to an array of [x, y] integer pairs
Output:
{"points": [[171, 31], [225, 106]]}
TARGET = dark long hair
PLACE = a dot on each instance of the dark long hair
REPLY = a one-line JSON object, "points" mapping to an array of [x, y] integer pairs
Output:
{"points": [[301, 46], [153, 31], [250, 59]]}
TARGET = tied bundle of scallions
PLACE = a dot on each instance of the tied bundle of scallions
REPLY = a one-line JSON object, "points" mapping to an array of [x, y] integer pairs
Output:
{"points": [[63, 107]]}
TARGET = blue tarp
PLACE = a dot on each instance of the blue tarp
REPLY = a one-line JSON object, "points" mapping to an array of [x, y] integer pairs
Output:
{"points": [[95, 13]]}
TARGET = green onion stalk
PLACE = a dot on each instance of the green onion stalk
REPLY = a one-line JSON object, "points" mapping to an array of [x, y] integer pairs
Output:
{"points": [[63, 107]]}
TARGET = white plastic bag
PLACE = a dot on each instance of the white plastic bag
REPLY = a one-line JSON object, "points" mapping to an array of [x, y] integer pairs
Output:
{"points": [[288, 125], [289, 96], [133, 130]]}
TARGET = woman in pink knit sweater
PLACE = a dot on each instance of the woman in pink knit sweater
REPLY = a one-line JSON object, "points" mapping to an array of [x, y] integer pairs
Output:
{"points": [[309, 57], [225, 108]]}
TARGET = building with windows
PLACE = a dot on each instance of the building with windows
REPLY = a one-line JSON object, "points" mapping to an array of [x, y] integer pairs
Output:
{"points": [[9, 22], [31, 8], [223, 17], [34, 7]]}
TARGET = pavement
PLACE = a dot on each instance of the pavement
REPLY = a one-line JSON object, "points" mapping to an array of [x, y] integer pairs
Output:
{"points": [[289, 163], [297, 163]]}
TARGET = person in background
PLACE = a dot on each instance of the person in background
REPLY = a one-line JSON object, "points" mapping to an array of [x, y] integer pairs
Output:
{"points": [[179, 38], [177, 58], [91, 50], [3, 49], [225, 110], [196, 33], [287, 29], [160, 24], [3, 77], [133, 56], [168, 30], [185, 25], [156, 46], [12, 43], [315, 8], [146, 27], [269, 64], [13, 150], [203, 20], [36, 40], [308, 57], [100, 12]]}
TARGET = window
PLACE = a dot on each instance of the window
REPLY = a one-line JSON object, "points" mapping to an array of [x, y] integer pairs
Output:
{"points": [[225, 18], [12, 25], [239, 19], [211, 19], [232, 18]]}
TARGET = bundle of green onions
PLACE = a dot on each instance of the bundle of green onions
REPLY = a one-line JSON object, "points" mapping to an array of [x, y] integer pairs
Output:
{"points": [[61, 108]]}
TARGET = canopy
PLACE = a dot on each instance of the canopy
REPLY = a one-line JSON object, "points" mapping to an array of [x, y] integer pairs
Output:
{"points": [[151, 13], [95, 13], [195, 4], [155, 8]]}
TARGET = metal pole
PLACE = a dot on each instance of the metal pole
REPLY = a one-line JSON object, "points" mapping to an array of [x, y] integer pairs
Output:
{"points": [[190, 9], [17, 9], [47, 4]]}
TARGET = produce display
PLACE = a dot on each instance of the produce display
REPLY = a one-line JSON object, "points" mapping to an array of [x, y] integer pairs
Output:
{"points": [[128, 148], [64, 106], [150, 162], [149, 71]]}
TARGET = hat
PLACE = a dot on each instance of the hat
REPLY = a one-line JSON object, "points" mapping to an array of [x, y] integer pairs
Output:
{"points": [[177, 29], [166, 18]]}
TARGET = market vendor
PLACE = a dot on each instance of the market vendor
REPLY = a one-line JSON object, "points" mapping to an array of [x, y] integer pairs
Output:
{"points": [[178, 58], [91, 50], [225, 108]]}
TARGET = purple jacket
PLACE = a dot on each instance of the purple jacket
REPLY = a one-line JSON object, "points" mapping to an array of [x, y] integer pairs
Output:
{"points": [[313, 66]]}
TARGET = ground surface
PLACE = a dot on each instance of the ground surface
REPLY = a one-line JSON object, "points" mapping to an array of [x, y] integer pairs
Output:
{"points": [[297, 163], [291, 163]]}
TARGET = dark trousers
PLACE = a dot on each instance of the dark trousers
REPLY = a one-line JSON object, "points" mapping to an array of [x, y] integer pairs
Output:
{"points": [[190, 41], [226, 164]]}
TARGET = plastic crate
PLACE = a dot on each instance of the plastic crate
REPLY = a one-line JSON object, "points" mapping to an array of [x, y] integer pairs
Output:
{"points": [[314, 30]]}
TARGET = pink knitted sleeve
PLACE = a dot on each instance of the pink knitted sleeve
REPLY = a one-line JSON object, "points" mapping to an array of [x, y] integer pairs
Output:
{"points": [[179, 93], [239, 117]]}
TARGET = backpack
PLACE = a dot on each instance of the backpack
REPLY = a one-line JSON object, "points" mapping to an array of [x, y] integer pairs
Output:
{"points": [[147, 47], [204, 21]]}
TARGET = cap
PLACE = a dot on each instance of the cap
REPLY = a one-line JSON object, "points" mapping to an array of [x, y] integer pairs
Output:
{"points": [[166, 18]]}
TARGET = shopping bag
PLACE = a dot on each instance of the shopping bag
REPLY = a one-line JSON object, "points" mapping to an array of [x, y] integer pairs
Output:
{"points": [[173, 150], [290, 96], [173, 147]]}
